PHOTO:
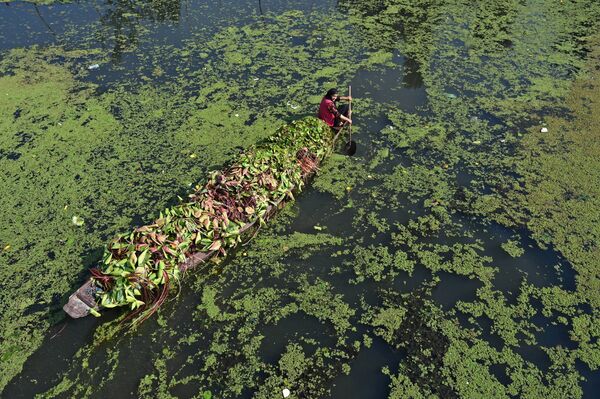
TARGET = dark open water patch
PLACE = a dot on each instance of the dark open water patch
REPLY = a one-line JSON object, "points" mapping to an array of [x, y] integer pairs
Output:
{"points": [[126, 378], [591, 385], [10, 155], [25, 24], [453, 288], [499, 371], [130, 35], [316, 209], [366, 379], [298, 328], [369, 291], [535, 355], [555, 335], [542, 267], [485, 324]]}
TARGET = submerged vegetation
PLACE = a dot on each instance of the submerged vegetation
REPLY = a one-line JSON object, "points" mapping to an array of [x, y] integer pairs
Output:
{"points": [[454, 256]]}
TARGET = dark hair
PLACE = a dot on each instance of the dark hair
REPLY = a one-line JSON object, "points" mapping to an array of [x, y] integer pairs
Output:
{"points": [[330, 93]]}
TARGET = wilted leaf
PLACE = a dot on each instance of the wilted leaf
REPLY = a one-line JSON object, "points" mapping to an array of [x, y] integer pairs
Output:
{"points": [[216, 245]]}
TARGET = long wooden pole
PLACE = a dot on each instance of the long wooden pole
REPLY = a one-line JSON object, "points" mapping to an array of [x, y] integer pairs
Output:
{"points": [[350, 110]]}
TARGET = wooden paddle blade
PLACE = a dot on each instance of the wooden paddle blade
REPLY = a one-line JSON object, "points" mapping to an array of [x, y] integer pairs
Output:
{"points": [[350, 148]]}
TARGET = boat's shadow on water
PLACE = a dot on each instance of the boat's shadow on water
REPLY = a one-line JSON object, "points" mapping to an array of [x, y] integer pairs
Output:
{"points": [[62, 340], [42, 370]]}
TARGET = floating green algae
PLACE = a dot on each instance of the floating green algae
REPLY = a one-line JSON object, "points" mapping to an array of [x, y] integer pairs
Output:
{"points": [[428, 141], [456, 171], [46, 155], [134, 150], [92, 163], [513, 248]]}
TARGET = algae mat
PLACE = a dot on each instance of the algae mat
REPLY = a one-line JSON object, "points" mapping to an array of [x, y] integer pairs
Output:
{"points": [[455, 256]]}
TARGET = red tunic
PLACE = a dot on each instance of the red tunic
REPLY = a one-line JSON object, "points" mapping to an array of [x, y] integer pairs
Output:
{"points": [[328, 111]]}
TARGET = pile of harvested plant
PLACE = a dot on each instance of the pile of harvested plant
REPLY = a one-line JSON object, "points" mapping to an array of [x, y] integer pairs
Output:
{"points": [[138, 268]]}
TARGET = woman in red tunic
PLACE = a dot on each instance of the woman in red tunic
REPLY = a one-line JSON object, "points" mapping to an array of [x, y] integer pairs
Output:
{"points": [[330, 113]]}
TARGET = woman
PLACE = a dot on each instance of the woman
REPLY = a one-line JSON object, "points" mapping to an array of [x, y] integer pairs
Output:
{"points": [[329, 112]]}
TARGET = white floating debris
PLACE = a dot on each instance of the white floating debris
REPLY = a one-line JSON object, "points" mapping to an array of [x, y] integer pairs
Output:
{"points": [[77, 221], [503, 141], [238, 115], [544, 130], [286, 392], [255, 79], [476, 141], [94, 66]]}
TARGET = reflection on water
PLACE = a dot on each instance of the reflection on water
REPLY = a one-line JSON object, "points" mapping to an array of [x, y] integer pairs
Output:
{"points": [[402, 85], [120, 25]]}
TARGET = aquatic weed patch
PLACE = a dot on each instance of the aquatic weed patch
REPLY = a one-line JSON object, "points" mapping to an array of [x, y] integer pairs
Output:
{"points": [[429, 207], [464, 155], [43, 189], [279, 65], [409, 324], [71, 147]]}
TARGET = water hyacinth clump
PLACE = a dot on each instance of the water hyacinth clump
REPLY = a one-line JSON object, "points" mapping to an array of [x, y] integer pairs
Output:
{"points": [[138, 268]]}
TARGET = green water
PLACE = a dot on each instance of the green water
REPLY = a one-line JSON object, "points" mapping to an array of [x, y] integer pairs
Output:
{"points": [[454, 256]]}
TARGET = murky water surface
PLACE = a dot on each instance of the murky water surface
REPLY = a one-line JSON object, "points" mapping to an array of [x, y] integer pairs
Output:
{"points": [[400, 271]]}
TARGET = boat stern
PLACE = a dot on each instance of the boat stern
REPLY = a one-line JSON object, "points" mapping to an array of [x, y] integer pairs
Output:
{"points": [[82, 302]]}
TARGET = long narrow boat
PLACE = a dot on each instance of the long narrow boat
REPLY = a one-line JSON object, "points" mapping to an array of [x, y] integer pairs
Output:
{"points": [[138, 268]]}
